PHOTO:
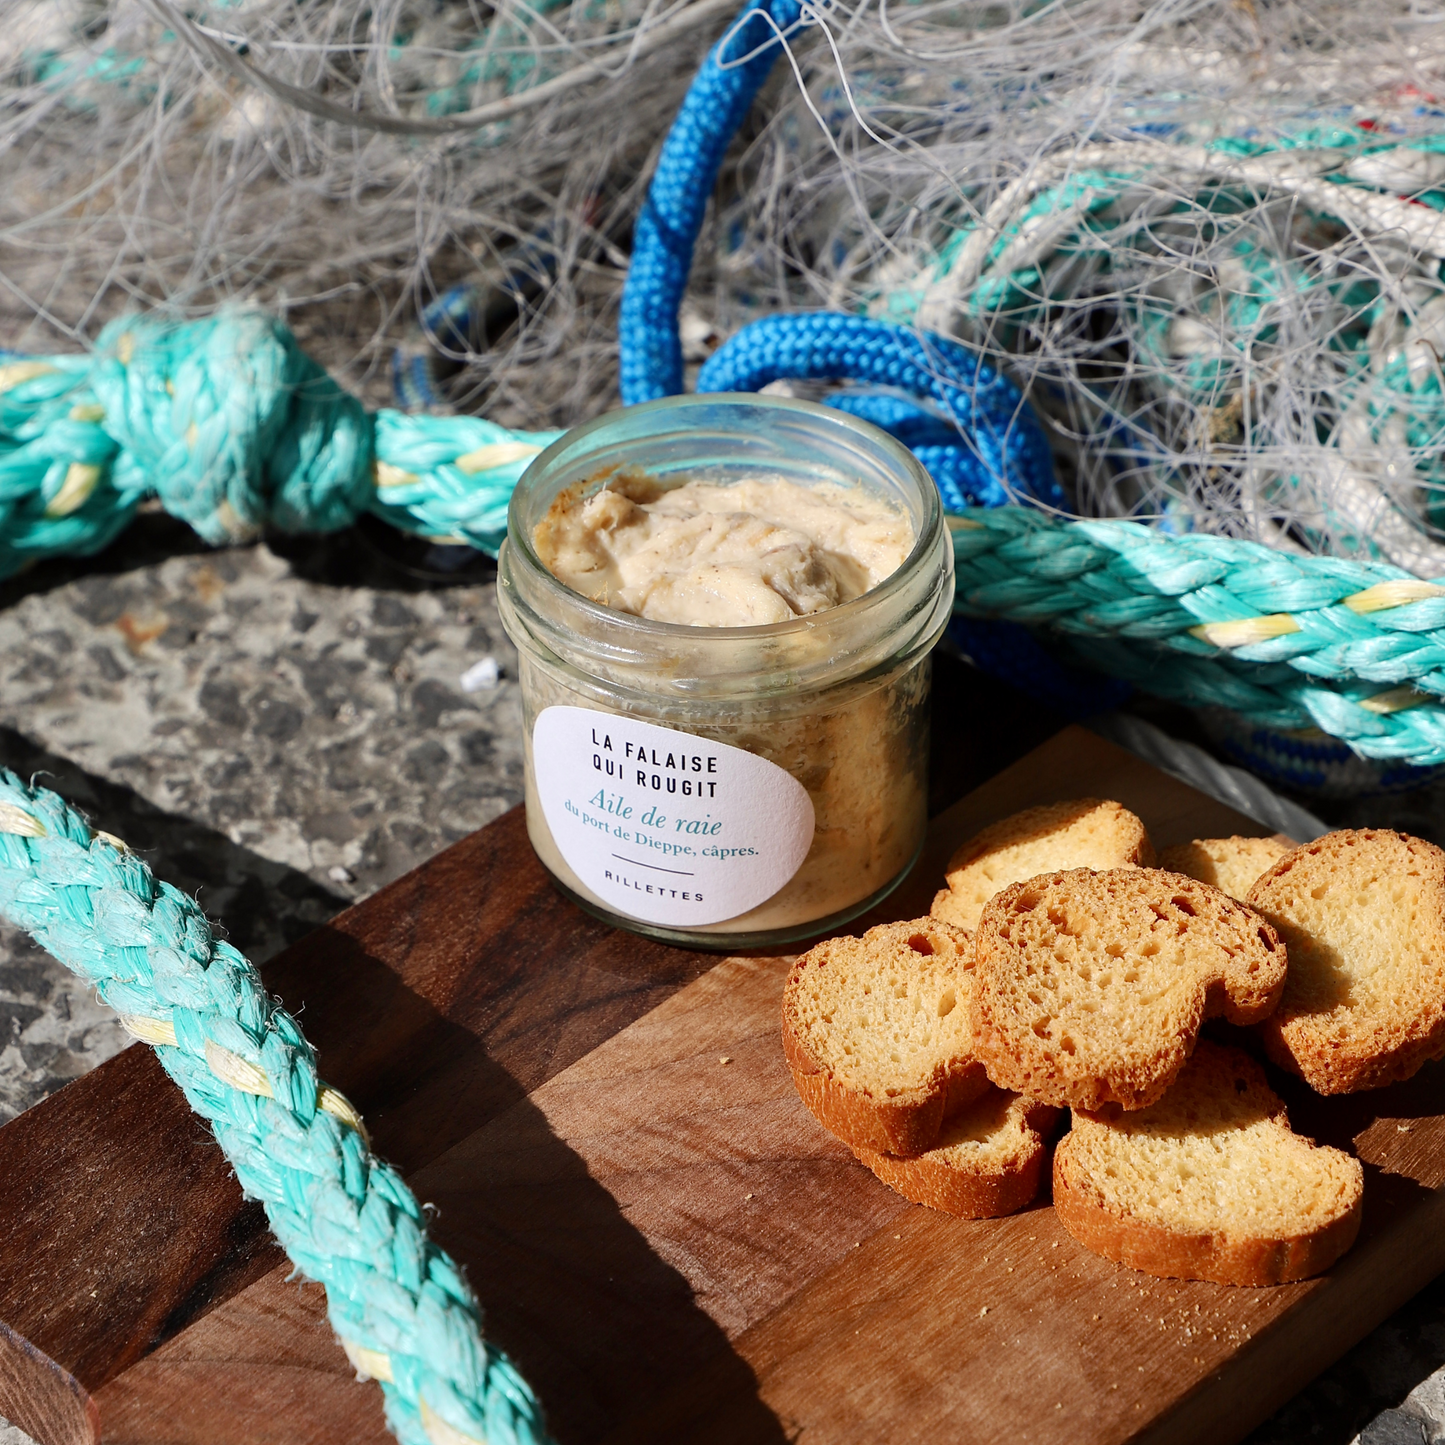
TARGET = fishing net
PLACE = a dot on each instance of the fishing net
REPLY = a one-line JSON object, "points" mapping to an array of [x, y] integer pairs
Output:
{"points": [[144, 173], [1205, 238]]}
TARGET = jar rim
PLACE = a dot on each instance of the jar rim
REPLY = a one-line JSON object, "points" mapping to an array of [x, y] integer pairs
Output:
{"points": [[932, 522]]}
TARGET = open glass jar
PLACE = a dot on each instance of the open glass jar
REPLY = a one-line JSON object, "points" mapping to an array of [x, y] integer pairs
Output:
{"points": [[727, 787]]}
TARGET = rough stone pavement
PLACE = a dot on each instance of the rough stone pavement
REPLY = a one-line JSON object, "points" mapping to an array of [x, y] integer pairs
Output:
{"points": [[282, 729]]}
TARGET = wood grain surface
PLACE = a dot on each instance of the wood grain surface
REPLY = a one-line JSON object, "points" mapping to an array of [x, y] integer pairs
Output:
{"points": [[660, 1234]]}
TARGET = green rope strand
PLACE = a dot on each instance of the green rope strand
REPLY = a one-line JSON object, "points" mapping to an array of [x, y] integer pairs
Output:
{"points": [[401, 1307], [1354, 648], [233, 427]]}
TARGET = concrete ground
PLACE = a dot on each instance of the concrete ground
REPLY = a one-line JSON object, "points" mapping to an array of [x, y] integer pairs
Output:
{"points": [[282, 729]]}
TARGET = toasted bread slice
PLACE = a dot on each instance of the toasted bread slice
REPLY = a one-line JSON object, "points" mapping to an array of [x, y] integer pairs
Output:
{"points": [[1363, 914], [1091, 987], [1085, 833], [876, 1034], [1228, 864], [1209, 1183], [987, 1162]]}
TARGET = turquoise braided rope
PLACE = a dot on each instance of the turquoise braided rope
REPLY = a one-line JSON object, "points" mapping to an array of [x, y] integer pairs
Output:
{"points": [[345, 1218], [1134, 602], [233, 427]]}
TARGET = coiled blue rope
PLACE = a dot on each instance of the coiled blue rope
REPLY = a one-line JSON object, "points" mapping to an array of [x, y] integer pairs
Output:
{"points": [[1002, 451], [983, 447], [1003, 447]]}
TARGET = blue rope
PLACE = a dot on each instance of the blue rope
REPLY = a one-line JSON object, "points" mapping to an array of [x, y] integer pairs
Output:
{"points": [[911, 422], [449, 325], [989, 449], [667, 228], [1004, 448], [957, 469]]}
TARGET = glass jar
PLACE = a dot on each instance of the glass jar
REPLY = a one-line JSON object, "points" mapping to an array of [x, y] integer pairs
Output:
{"points": [[776, 771]]}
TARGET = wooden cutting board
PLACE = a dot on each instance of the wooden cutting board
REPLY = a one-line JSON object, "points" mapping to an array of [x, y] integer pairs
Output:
{"points": [[662, 1237]]}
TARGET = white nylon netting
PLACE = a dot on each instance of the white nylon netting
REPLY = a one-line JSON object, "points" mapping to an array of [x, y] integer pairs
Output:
{"points": [[1205, 236]]}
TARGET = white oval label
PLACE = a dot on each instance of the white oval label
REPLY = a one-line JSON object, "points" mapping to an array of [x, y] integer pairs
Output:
{"points": [[664, 826]]}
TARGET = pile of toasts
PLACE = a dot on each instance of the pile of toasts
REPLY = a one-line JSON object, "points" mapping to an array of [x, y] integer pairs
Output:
{"points": [[1060, 969]]}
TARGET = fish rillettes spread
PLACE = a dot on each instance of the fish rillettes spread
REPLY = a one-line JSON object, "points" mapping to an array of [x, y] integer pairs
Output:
{"points": [[720, 554]]}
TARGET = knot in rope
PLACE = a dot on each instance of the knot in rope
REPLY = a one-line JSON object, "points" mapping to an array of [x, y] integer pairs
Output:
{"points": [[232, 424], [54, 457], [234, 427]]}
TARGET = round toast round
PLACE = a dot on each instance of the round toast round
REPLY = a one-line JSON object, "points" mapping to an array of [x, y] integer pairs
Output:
{"points": [[1082, 833], [1209, 1183], [1362, 912], [1231, 865], [988, 1161], [1091, 988], [876, 1034]]}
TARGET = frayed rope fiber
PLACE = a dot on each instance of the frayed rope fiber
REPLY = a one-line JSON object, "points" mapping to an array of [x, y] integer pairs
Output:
{"points": [[403, 1311]]}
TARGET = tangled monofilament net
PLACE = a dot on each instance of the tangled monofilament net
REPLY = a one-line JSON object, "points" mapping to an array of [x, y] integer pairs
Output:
{"points": [[1203, 236], [143, 173]]}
